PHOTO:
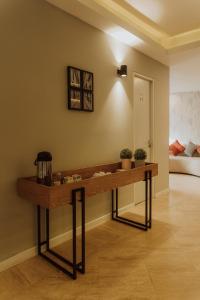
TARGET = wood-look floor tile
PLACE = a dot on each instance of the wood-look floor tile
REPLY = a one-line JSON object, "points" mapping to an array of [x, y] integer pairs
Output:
{"points": [[124, 263], [177, 285], [12, 281]]}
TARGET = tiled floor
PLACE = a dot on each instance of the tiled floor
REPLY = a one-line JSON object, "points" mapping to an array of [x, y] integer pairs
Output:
{"points": [[125, 263]]}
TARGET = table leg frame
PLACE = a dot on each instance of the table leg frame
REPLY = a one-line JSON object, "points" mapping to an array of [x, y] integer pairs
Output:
{"points": [[148, 206], [40, 243]]}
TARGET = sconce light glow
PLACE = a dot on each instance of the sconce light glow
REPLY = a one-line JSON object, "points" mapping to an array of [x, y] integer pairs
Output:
{"points": [[124, 36], [122, 71]]}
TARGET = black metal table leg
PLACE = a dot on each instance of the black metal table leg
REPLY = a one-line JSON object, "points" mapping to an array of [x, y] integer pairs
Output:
{"points": [[146, 201], [117, 207], [47, 228], [150, 198], [83, 230], [74, 265], [113, 209], [148, 206], [74, 232], [38, 230]]}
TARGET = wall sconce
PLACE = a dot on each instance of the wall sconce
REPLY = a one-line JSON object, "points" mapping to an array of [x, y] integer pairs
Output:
{"points": [[122, 72]]}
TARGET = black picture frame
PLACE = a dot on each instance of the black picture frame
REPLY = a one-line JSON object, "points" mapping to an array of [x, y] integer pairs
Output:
{"points": [[80, 89]]}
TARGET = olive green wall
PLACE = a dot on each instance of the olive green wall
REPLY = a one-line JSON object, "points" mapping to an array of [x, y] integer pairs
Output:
{"points": [[38, 41]]}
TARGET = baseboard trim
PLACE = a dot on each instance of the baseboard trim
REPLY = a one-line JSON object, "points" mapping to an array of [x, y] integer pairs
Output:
{"points": [[162, 193], [31, 252]]}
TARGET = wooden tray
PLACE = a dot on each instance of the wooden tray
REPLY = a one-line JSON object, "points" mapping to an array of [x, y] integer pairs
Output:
{"points": [[54, 196]]}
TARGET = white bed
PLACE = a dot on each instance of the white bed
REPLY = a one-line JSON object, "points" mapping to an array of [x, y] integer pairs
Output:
{"points": [[184, 164]]}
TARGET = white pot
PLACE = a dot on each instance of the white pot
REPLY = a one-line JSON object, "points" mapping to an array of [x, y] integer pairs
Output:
{"points": [[126, 164]]}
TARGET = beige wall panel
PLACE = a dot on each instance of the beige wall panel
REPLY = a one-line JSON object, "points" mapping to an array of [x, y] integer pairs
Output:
{"points": [[37, 42]]}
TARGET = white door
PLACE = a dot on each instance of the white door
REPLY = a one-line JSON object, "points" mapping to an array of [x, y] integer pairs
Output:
{"points": [[142, 126]]}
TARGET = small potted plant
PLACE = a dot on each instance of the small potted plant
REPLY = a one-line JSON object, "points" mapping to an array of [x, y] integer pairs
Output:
{"points": [[126, 155], [140, 155]]}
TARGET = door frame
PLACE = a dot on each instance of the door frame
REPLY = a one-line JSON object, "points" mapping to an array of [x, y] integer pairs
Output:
{"points": [[152, 119]]}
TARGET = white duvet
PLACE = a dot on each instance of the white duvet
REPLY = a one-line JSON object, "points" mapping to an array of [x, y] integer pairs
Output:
{"points": [[183, 164]]}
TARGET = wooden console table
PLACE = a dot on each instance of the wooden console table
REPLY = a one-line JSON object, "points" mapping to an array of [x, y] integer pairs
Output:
{"points": [[68, 194]]}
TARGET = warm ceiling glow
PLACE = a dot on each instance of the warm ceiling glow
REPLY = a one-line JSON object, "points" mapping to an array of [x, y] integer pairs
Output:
{"points": [[145, 7]]}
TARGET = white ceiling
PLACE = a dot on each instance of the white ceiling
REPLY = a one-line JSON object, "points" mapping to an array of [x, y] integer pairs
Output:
{"points": [[158, 28], [173, 16], [184, 71]]}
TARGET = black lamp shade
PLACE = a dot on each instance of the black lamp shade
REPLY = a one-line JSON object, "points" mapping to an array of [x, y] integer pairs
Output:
{"points": [[122, 71]]}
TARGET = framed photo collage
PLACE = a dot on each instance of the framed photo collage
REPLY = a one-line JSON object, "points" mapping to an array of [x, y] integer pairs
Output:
{"points": [[80, 89]]}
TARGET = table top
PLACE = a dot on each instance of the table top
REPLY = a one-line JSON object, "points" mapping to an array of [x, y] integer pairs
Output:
{"points": [[54, 196]]}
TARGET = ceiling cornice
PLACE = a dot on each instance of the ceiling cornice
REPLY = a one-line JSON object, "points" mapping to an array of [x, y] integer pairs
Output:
{"points": [[183, 40], [129, 20], [132, 22], [119, 15]]}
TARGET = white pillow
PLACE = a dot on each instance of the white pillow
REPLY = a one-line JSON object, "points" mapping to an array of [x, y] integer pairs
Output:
{"points": [[190, 148]]}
